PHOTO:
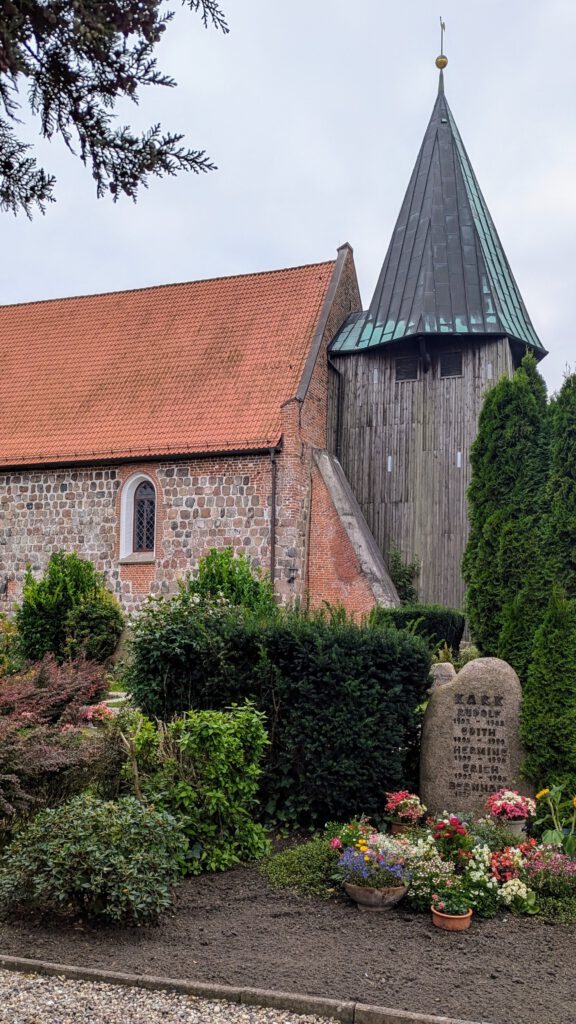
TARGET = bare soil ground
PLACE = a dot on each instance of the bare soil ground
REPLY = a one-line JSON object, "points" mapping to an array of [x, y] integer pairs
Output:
{"points": [[233, 929]]}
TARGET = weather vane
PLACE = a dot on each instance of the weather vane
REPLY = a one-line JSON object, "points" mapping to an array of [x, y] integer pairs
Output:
{"points": [[442, 60]]}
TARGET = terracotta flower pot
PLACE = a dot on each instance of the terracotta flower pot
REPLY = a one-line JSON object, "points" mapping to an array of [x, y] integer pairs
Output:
{"points": [[367, 898], [396, 827], [451, 922]]}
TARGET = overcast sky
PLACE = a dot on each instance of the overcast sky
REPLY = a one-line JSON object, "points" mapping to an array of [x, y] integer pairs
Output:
{"points": [[314, 111]]}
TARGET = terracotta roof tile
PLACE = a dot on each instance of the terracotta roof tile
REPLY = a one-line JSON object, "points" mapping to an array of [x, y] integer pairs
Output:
{"points": [[197, 367]]}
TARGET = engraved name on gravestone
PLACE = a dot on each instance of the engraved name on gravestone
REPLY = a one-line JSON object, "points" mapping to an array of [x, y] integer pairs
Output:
{"points": [[470, 737]]}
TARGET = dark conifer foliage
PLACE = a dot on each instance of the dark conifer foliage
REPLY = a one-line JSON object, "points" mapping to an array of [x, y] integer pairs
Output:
{"points": [[507, 498], [71, 61], [561, 528], [549, 701]]}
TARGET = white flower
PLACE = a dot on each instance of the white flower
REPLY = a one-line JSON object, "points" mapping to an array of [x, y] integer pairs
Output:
{"points": [[512, 891]]}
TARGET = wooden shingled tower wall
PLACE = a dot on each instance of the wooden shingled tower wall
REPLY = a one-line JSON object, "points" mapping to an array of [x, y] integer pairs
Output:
{"points": [[408, 375]]}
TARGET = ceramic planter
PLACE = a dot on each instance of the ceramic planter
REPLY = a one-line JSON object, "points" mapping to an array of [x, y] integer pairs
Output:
{"points": [[516, 827], [367, 898], [451, 922]]}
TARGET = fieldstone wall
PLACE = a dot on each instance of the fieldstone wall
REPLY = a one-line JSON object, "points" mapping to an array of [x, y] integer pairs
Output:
{"points": [[200, 504]]}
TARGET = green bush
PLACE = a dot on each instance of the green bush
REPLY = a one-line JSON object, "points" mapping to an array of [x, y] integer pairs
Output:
{"points": [[225, 577], [340, 698], [94, 626], [548, 725], [403, 575], [186, 655], [204, 769], [341, 704], [436, 624], [67, 610], [111, 861], [308, 868]]}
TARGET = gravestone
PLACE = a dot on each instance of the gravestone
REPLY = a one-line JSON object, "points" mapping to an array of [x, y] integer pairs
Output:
{"points": [[470, 738], [443, 672]]}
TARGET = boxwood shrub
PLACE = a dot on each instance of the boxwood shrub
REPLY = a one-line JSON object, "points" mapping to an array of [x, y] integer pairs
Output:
{"points": [[340, 698]]}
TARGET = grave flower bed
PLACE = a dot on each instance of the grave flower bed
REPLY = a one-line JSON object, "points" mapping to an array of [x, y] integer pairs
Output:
{"points": [[489, 869]]}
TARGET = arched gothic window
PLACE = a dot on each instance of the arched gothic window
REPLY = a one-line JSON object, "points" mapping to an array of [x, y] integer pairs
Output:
{"points": [[144, 517], [138, 519]]}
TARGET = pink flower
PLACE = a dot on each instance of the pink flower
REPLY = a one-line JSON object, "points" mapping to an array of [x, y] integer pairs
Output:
{"points": [[335, 843]]}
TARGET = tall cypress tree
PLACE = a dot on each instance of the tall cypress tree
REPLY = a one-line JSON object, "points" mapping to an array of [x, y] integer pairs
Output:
{"points": [[560, 534], [507, 497], [548, 727]]}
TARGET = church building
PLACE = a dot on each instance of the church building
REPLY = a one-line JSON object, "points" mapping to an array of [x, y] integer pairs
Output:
{"points": [[268, 411]]}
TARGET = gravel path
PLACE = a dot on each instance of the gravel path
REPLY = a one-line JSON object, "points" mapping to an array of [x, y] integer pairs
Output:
{"points": [[35, 999]]}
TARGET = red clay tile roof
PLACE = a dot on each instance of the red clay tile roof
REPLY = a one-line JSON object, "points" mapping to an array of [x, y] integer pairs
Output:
{"points": [[196, 367]]}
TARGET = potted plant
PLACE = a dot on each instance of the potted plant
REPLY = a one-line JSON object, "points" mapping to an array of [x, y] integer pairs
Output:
{"points": [[405, 809], [375, 879], [451, 909], [453, 840], [511, 808]]}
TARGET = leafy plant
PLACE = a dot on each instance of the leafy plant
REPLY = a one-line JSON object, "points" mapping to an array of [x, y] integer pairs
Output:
{"points": [[307, 868], [10, 657], [452, 898], [68, 610], [45, 754], [223, 576], [110, 861], [94, 626], [204, 769], [340, 698], [557, 818], [404, 575]]}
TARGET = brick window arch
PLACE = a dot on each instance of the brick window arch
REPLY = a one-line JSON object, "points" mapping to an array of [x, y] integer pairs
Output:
{"points": [[138, 517]]}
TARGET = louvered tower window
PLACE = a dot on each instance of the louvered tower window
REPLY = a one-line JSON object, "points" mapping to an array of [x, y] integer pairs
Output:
{"points": [[144, 517]]}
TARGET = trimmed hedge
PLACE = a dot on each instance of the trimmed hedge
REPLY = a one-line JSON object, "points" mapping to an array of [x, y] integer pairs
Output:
{"points": [[340, 698], [433, 622]]}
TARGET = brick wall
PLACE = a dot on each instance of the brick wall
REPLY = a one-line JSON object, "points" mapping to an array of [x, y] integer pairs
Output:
{"points": [[334, 572]]}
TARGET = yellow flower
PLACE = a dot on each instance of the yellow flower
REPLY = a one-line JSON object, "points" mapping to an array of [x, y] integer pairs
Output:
{"points": [[542, 793], [574, 801], [366, 858]]}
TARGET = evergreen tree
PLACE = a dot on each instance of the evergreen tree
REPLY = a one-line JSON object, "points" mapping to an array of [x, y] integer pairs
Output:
{"points": [[507, 497], [560, 535], [549, 703], [73, 62]]}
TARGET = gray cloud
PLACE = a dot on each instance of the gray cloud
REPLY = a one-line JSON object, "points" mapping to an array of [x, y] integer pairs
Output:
{"points": [[314, 112]]}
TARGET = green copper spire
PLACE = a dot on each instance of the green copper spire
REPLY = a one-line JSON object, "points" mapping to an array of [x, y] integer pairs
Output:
{"points": [[445, 271]]}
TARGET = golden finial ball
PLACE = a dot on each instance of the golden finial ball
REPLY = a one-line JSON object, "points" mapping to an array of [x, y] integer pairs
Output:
{"points": [[441, 62]]}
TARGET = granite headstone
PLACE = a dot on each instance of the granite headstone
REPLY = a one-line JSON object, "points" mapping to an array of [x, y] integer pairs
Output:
{"points": [[441, 673], [470, 737]]}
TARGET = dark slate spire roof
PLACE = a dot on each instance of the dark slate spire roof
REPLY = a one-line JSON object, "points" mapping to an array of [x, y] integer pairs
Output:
{"points": [[445, 271]]}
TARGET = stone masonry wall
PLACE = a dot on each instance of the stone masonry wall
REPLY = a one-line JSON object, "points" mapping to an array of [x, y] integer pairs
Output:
{"points": [[200, 504]]}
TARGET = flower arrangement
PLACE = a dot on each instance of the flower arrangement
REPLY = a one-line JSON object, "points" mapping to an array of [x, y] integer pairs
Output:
{"points": [[342, 836], [365, 866], [452, 839], [509, 805], [405, 806]]}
